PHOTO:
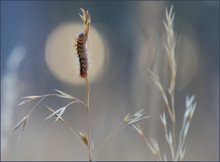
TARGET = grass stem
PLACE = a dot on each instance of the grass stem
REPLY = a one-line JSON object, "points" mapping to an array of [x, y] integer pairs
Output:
{"points": [[88, 117]]}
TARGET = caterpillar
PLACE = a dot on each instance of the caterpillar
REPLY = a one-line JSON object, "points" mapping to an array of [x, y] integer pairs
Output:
{"points": [[81, 44], [82, 54]]}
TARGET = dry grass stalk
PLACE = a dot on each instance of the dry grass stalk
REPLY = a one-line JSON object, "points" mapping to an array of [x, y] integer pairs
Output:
{"points": [[83, 60], [177, 151]]}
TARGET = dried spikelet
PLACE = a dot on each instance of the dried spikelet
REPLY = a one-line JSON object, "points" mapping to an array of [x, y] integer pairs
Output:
{"points": [[86, 21], [190, 108], [84, 138], [23, 123], [81, 44], [32, 97], [29, 99], [64, 95], [58, 113], [51, 110], [135, 118], [163, 119], [170, 47]]}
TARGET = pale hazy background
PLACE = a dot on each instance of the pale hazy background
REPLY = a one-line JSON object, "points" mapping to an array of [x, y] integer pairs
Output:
{"points": [[37, 56]]}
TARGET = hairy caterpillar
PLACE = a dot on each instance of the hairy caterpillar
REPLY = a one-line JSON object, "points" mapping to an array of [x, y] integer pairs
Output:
{"points": [[82, 54]]}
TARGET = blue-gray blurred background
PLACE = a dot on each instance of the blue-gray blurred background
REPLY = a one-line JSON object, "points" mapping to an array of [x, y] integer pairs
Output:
{"points": [[126, 38]]}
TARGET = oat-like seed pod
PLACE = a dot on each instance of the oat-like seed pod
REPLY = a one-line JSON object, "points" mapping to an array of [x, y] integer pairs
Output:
{"points": [[81, 44]]}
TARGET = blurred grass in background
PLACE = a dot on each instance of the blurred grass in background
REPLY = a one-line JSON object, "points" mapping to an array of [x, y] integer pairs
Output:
{"points": [[37, 56]]}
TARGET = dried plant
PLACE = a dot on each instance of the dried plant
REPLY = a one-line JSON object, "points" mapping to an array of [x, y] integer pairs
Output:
{"points": [[58, 113], [128, 120], [83, 60], [83, 137], [177, 149]]}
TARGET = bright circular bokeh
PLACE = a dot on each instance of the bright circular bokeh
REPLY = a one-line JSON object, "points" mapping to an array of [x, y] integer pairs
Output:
{"points": [[61, 56]]}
